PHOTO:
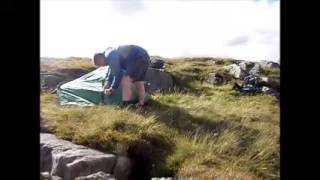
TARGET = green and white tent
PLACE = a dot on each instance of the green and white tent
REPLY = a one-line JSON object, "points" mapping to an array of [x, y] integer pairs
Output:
{"points": [[87, 90]]}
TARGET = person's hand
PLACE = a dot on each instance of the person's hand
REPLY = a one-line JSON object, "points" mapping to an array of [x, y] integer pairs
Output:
{"points": [[105, 87], [108, 91]]}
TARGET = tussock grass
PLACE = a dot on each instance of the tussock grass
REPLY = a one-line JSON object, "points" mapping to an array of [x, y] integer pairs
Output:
{"points": [[52, 65]]}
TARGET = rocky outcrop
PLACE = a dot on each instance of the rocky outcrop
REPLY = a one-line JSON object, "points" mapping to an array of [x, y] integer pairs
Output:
{"points": [[269, 64], [96, 176], [218, 78], [243, 69], [66, 160], [47, 176], [156, 62], [236, 71], [246, 65], [255, 70], [271, 92], [272, 82], [215, 79], [50, 80], [158, 81], [122, 170]]}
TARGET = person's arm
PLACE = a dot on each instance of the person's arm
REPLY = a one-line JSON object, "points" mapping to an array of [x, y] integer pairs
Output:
{"points": [[109, 79], [116, 72]]}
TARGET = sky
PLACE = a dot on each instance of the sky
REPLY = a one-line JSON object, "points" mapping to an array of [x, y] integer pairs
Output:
{"points": [[240, 29]]}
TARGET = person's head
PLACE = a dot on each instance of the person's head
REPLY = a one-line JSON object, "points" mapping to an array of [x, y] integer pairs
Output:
{"points": [[99, 60]]}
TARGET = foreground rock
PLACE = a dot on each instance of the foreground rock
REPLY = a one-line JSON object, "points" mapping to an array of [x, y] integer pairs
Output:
{"points": [[47, 176], [68, 161], [50, 80], [96, 176], [158, 81]]}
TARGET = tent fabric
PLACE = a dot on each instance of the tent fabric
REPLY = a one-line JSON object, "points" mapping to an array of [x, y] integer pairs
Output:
{"points": [[88, 90]]}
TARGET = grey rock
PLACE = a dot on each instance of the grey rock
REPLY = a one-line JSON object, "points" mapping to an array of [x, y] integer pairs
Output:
{"points": [[158, 81], [96, 176], [156, 62], [45, 176], [122, 169], [236, 71], [56, 178], [271, 92], [50, 80], [215, 79], [255, 70], [273, 82], [67, 160], [246, 65], [243, 69]]}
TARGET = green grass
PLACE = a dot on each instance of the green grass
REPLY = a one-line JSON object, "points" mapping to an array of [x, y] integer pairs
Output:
{"points": [[187, 71], [53, 65], [212, 134], [271, 72]]}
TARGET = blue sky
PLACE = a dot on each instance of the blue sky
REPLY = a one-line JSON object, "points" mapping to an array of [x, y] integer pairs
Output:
{"points": [[241, 29]]}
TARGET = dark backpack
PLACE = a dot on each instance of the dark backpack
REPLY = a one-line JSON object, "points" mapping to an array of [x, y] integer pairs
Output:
{"points": [[250, 85]]}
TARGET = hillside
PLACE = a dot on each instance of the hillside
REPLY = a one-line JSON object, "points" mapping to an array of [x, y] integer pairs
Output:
{"points": [[197, 130]]}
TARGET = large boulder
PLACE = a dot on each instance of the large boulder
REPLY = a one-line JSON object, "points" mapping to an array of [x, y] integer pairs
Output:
{"points": [[156, 62], [255, 70], [246, 65], [158, 81], [96, 176], [271, 92], [273, 82], [236, 71], [244, 69], [123, 168], [218, 78], [68, 161], [215, 79], [50, 80], [47, 176]]}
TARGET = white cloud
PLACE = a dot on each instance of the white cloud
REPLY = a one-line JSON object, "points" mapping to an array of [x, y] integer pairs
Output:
{"points": [[165, 28]]}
